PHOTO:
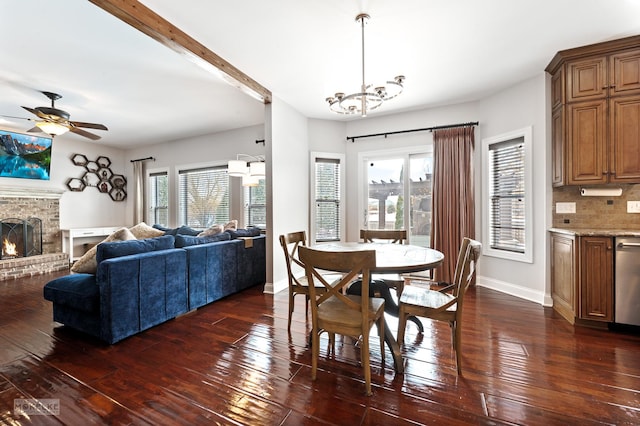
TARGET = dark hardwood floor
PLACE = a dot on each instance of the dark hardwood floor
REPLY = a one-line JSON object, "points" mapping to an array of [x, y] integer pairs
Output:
{"points": [[233, 362]]}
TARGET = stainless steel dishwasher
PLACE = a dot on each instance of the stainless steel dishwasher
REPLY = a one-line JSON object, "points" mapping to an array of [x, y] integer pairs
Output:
{"points": [[627, 281]]}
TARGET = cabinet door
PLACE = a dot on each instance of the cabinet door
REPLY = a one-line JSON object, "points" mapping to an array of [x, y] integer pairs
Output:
{"points": [[587, 79], [587, 145], [557, 147], [557, 88], [563, 276], [624, 73], [596, 278], [624, 128]]}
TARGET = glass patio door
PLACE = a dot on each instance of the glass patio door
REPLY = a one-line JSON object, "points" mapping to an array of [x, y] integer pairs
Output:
{"points": [[396, 198]]}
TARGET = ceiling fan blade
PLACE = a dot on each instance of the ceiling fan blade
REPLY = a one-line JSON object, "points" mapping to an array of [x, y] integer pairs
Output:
{"points": [[84, 133], [35, 112], [89, 125], [35, 129]]}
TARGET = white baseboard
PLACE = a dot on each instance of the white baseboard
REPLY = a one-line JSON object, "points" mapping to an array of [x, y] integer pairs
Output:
{"points": [[273, 288], [515, 290]]}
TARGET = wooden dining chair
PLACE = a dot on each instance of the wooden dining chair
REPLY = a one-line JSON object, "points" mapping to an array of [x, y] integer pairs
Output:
{"points": [[334, 312], [298, 284], [440, 304], [393, 236]]}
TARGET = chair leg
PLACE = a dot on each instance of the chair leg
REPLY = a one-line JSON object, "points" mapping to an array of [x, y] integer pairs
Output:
{"points": [[364, 355], [402, 324], [315, 352], [457, 346], [290, 309], [381, 328]]}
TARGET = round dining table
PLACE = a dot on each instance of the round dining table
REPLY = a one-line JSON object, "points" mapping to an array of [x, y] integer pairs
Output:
{"points": [[391, 258]]}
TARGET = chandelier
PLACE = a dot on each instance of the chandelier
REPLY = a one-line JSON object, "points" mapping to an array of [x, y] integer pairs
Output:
{"points": [[251, 172], [370, 96]]}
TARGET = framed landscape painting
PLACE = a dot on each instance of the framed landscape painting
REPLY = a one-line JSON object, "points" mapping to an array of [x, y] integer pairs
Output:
{"points": [[24, 156]]}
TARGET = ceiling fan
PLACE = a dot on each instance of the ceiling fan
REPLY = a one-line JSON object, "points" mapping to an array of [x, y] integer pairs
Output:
{"points": [[56, 121]]}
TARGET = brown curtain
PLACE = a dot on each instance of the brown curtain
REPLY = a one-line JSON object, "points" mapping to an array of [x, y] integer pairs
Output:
{"points": [[453, 200]]}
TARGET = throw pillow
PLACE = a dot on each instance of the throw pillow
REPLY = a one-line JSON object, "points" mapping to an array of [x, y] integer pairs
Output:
{"points": [[212, 230], [249, 232], [142, 230], [188, 240], [87, 263], [167, 231], [231, 225], [185, 230]]}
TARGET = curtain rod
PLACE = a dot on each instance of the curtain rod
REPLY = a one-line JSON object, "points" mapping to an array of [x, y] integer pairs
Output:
{"points": [[143, 159], [448, 126]]}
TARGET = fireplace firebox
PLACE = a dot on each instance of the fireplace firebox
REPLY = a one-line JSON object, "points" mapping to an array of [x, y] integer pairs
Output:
{"points": [[21, 237]]}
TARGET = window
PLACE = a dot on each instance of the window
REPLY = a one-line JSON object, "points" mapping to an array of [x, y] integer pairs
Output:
{"points": [[203, 196], [255, 205], [397, 184], [508, 219], [327, 190], [158, 198]]}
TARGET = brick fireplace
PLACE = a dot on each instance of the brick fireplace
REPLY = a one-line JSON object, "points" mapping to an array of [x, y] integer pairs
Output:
{"points": [[23, 204]]}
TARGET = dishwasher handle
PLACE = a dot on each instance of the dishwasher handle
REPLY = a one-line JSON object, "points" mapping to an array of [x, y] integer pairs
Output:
{"points": [[623, 245]]}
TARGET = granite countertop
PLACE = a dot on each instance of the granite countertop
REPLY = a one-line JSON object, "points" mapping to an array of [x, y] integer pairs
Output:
{"points": [[593, 232]]}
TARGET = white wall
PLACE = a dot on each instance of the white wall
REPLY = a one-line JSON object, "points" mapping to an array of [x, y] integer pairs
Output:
{"points": [[211, 149], [287, 185], [515, 108]]}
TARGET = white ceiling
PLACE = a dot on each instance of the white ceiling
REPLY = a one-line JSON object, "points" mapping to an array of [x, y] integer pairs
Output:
{"points": [[450, 51]]}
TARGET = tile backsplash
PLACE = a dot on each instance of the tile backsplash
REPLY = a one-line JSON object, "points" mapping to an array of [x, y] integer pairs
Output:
{"points": [[597, 212]]}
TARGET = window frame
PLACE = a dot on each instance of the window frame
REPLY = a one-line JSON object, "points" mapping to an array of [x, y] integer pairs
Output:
{"points": [[148, 207], [406, 153], [340, 158], [527, 134]]}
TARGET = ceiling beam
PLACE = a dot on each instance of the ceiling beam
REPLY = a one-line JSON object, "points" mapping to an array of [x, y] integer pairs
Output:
{"points": [[144, 19]]}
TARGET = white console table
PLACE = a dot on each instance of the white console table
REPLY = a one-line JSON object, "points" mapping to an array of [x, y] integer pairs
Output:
{"points": [[70, 237]]}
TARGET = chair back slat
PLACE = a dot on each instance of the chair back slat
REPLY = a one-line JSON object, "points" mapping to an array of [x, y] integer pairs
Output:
{"points": [[394, 236]]}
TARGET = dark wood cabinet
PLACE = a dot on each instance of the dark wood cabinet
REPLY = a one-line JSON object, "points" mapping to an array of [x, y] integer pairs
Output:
{"points": [[582, 280], [596, 278], [564, 288], [595, 100]]}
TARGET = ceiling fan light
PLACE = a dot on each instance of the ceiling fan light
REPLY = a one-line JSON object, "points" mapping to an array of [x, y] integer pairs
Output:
{"points": [[52, 128], [237, 168]]}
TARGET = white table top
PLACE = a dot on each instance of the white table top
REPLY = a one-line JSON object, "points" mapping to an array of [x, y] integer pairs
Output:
{"points": [[397, 258]]}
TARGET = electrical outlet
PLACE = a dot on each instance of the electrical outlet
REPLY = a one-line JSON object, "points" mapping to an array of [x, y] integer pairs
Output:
{"points": [[565, 207], [633, 206]]}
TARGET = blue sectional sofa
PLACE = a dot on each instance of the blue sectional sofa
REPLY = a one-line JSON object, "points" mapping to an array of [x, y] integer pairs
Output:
{"points": [[143, 283]]}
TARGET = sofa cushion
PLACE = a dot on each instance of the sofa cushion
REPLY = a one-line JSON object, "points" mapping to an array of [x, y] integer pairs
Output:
{"points": [[87, 263], [142, 230], [212, 230], [183, 230], [188, 240], [78, 291], [124, 248], [249, 232]]}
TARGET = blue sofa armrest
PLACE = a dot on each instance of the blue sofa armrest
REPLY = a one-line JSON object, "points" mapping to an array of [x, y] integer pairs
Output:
{"points": [[141, 290], [252, 262]]}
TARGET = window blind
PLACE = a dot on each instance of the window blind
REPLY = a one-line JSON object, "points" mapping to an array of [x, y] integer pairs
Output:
{"points": [[507, 186], [327, 198], [203, 196]]}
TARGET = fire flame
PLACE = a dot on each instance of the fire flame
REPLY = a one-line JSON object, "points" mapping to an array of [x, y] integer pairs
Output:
{"points": [[9, 248]]}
